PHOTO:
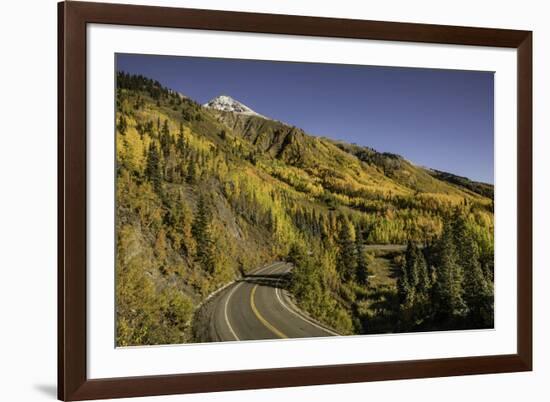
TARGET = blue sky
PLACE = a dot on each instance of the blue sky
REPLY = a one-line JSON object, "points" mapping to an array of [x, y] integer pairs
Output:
{"points": [[441, 119]]}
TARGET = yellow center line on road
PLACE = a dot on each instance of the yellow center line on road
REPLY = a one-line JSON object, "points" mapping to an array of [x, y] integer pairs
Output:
{"points": [[266, 323], [226, 315]]}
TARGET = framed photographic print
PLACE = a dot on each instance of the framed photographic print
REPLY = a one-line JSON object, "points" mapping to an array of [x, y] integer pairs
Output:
{"points": [[253, 200]]}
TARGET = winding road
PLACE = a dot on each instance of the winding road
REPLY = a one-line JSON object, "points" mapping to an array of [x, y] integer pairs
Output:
{"points": [[258, 307]]}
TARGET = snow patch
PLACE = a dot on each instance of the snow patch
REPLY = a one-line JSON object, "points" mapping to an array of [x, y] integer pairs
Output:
{"points": [[226, 103]]}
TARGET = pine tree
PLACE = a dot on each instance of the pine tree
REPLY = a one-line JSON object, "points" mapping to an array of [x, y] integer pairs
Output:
{"points": [[122, 125], [424, 278], [180, 145], [160, 245], [296, 254], [201, 231], [191, 177], [347, 257], [165, 139], [362, 264], [448, 288], [412, 265], [404, 289], [415, 272], [408, 280], [477, 290], [153, 169], [305, 280]]}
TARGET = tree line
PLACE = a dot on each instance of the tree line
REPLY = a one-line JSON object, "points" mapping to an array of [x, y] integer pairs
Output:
{"points": [[448, 282]]}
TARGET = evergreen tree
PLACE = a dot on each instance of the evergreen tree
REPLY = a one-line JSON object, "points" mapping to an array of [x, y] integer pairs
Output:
{"points": [[181, 146], [412, 265], [362, 264], [296, 254], [415, 270], [347, 256], [186, 115], [122, 125], [153, 169], [424, 278], [477, 290], [191, 177], [448, 288], [412, 298], [306, 282], [408, 280], [165, 139], [203, 236]]}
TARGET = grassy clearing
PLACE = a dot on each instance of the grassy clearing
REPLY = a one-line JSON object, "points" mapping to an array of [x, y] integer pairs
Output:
{"points": [[377, 306]]}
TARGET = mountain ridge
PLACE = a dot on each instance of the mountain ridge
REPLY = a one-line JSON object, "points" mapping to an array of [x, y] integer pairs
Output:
{"points": [[237, 115], [271, 136]]}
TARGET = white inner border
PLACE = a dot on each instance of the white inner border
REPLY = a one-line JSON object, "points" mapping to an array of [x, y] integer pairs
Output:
{"points": [[104, 360]]}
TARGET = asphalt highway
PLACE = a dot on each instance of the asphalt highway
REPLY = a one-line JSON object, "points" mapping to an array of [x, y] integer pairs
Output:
{"points": [[258, 307]]}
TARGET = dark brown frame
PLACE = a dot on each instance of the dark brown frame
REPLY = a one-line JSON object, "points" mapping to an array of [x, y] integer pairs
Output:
{"points": [[73, 383]]}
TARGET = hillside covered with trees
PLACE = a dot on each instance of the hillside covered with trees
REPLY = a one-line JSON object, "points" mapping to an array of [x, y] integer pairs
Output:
{"points": [[205, 196]]}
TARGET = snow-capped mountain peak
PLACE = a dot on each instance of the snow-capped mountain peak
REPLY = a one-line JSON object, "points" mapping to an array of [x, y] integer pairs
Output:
{"points": [[228, 104]]}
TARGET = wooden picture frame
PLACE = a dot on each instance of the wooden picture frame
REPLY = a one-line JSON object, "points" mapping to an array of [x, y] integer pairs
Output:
{"points": [[73, 382]]}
